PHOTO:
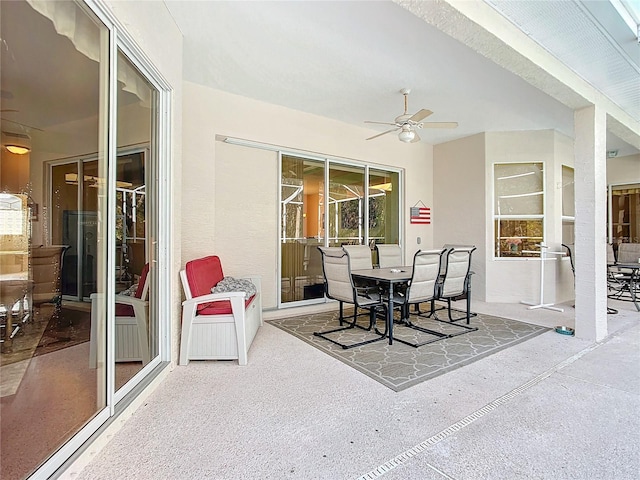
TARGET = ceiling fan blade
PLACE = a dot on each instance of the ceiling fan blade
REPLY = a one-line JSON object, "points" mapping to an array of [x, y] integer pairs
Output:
{"points": [[440, 125], [383, 133], [420, 115], [381, 123], [416, 137]]}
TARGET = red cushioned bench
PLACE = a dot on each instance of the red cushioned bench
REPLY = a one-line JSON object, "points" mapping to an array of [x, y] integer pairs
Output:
{"points": [[216, 326]]}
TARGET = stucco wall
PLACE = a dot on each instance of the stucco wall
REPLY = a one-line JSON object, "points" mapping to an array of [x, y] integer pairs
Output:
{"points": [[229, 203], [623, 169], [459, 201]]}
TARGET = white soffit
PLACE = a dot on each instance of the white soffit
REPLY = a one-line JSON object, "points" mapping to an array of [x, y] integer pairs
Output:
{"points": [[590, 38]]}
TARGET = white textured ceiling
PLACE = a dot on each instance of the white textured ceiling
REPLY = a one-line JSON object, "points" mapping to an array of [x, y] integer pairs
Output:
{"points": [[348, 60]]}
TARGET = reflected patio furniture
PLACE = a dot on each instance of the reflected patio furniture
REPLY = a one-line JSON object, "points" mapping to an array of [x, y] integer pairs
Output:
{"points": [[131, 324], [46, 272], [13, 289], [339, 285], [216, 326], [389, 255]]}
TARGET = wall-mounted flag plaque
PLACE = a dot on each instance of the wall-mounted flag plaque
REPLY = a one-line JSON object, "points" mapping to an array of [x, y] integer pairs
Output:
{"points": [[420, 215]]}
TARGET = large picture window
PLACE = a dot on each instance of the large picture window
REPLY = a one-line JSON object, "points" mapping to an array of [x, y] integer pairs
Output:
{"points": [[518, 208]]}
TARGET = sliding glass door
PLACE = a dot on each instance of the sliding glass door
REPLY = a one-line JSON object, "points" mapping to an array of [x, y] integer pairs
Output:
{"points": [[328, 203], [80, 326], [55, 98], [346, 202], [302, 228]]}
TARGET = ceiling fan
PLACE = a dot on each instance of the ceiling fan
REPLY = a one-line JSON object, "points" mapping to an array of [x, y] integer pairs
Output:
{"points": [[407, 124]]}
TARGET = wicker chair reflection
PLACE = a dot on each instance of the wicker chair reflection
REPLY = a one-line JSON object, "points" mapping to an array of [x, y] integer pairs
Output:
{"points": [[339, 286]]}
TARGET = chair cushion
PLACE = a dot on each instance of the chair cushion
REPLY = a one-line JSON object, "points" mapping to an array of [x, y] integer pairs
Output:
{"points": [[219, 308], [123, 310], [203, 274], [142, 281]]}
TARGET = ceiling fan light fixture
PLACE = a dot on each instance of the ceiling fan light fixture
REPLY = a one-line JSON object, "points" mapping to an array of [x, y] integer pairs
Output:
{"points": [[16, 143], [17, 149], [406, 135]]}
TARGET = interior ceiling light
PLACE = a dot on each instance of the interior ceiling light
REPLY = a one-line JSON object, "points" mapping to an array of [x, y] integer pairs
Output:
{"points": [[16, 143], [406, 135]]}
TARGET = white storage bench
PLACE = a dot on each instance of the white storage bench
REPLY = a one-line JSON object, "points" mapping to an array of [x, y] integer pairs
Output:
{"points": [[216, 326]]}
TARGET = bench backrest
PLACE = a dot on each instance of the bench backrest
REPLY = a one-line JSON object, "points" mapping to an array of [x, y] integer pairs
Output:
{"points": [[201, 276]]}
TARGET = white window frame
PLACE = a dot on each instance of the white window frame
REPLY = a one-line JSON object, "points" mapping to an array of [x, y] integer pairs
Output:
{"points": [[498, 216]]}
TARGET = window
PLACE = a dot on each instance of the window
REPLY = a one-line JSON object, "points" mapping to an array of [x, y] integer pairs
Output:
{"points": [[624, 213], [568, 205], [518, 208]]}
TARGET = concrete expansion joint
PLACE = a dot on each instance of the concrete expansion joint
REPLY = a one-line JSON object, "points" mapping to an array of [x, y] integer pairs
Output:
{"points": [[405, 456]]}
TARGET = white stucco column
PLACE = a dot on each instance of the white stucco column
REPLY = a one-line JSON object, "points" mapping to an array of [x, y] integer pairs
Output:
{"points": [[590, 224]]}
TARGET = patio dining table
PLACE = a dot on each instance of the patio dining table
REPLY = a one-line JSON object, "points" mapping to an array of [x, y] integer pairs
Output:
{"points": [[389, 277]]}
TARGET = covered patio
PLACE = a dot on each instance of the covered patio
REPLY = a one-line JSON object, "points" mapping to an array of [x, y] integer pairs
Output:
{"points": [[554, 407]]}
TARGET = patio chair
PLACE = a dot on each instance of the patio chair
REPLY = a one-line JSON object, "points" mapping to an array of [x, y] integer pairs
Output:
{"points": [[221, 325], [131, 323], [339, 286], [389, 255], [620, 281], [359, 256], [423, 287], [360, 259], [457, 282]]}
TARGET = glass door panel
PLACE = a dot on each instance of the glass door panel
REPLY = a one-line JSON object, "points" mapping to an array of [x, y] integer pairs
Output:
{"points": [[136, 324], [384, 198], [346, 205], [302, 229], [63, 208], [49, 389]]}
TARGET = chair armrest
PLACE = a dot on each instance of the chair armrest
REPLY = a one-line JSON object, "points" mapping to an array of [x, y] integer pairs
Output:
{"points": [[122, 299], [213, 297], [129, 300]]}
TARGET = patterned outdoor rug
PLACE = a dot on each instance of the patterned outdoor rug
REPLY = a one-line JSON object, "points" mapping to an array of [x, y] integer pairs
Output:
{"points": [[400, 366]]}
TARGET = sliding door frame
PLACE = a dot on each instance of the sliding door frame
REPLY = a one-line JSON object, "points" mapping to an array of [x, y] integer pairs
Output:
{"points": [[159, 249]]}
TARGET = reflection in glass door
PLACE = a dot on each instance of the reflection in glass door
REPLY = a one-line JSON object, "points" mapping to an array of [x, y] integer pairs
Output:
{"points": [[54, 95], [351, 215], [135, 328], [74, 216], [384, 208], [346, 205], [302, 229]]}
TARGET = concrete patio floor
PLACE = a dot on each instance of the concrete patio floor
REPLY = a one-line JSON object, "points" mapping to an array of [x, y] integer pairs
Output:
{"points": [[554, 407]]}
